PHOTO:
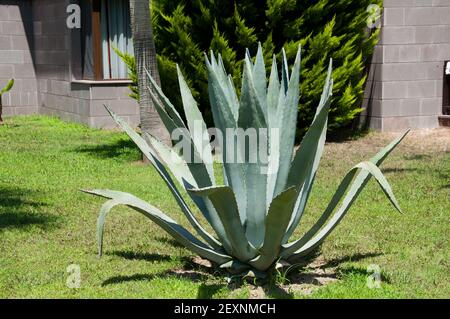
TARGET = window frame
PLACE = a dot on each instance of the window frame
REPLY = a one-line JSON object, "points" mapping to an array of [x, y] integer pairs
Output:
{"points": [[97, 51]]}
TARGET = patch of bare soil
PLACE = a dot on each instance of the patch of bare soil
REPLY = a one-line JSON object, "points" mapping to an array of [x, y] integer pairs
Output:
{"points": [[313, 276], [417, 141]]}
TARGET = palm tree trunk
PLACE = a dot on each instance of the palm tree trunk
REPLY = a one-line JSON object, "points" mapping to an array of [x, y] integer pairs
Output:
{"points": [[145, 55]]}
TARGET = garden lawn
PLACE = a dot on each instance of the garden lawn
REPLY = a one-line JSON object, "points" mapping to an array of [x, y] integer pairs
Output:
{"points": [[47, 224]]}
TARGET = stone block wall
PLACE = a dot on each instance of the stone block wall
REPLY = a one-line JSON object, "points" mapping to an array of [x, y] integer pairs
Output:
{"points": [[16, 60], [37, 50], [404, 87], [405, 83], [61, 93]]}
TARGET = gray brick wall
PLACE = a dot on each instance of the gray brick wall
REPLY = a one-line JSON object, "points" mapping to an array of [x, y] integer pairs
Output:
{"points": [[405, 84], [16, 60], [404, 87], [59, 91], [36, 49]]}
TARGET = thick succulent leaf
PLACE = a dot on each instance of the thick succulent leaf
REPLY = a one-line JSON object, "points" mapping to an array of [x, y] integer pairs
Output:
{"points": [[194, 173], [199, 169], [273, 97], [235, 266], [168, 122], [251, 114], [197, 126], [153, 158], [234, 98], [300, 206], [368, 169], [307, 158], [235, 178], [223, 119], [232, 169], [213, 59], [272, 165], [277, 221], [251, 117], [224, 202], [187, 174], [381, 155], [273, 92], [287, 114], [182, 235], [176, 164], [259, 78], [255, 182], [168, 106], [358, 184], [274, 146], [311, 144], [346, 204], [228, 88]]}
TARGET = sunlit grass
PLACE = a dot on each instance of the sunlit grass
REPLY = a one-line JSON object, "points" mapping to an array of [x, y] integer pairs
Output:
{"points": [[46, 224]]}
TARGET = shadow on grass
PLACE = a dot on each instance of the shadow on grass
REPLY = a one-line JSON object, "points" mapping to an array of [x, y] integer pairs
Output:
{"points": [[130, 255], [17, 208], [349, 258], [188, 275], [389, 170], [207, 291], [313, 272], [124, 148]]}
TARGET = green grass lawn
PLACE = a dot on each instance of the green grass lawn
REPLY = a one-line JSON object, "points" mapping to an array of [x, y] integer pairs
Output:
{"points": [[46, 224]]}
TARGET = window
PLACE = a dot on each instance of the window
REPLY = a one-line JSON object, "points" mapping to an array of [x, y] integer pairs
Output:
{"points": [[105, 26]]}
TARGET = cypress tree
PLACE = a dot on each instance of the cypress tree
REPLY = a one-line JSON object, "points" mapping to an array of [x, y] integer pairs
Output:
{"points": [[185, 30]]}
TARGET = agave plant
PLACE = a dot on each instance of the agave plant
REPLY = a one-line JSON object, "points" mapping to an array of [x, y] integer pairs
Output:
{"points": [[253, 214]]}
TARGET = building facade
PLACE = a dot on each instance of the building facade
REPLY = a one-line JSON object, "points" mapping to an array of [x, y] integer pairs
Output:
{"points": [[406, 82], [71, 73], [60, 70]]}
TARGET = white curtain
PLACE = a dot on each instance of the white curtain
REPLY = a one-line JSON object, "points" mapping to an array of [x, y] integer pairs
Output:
{"points": [[116, 33]]}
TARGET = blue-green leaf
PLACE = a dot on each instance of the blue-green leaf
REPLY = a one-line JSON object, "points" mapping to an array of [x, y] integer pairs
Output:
{"points": [[153, 158], [307, 158], [287, 113], [178, 232], [259, 79], [224, 202], [277, 221], [168, 106], [224, 119], [357, 186], [251, 117], [370, 168], [273, 92]]}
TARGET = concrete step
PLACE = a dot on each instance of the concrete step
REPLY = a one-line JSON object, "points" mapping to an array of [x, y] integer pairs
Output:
{"points": [[444, 120]]}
